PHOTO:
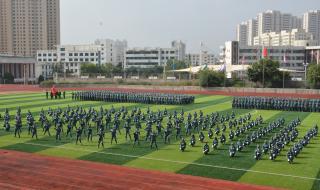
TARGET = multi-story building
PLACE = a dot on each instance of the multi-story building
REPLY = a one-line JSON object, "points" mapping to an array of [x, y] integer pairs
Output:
{"points": [[71, 57], [238, 58], [295, 37], [112, 51], [68, 57], [29, 25], [150, 57], [311, 23], [266, 22], [21, 68], [205, 59], [242, 33], [269, 21], [252, 28]]}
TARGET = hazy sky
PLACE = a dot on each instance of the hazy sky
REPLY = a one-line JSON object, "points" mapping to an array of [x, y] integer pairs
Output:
{"points": [[158, 22]]}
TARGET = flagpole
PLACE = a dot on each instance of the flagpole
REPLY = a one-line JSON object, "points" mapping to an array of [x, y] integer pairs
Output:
{"points": [[318, 57]]}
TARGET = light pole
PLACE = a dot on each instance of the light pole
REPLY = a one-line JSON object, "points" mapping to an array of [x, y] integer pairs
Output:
{"points": [[263, 73], [305, 73]]}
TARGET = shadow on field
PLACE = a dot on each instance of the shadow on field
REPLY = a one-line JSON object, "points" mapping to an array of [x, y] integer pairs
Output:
{"points": [[34, 145]]}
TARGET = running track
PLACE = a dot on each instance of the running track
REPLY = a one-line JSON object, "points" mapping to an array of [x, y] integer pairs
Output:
{"points": [[5, 89], [30, 171]]}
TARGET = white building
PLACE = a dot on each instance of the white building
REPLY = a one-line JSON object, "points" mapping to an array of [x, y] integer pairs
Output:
{"points": [[238, 58], [242, 33], [71, 57], [252, 28], [112, 51], [311, 23], [266, 22], [295, 37], [269, 21], [205, 59], [150, 57], [45, 62]]}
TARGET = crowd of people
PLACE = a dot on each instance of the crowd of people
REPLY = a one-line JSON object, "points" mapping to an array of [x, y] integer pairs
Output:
{"points": [[77, 123], [134, 97], [277, 103]]}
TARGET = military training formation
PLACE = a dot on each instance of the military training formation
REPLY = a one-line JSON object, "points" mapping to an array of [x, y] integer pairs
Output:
{"points": [[133, 97], [217, 129], [276, 103]]}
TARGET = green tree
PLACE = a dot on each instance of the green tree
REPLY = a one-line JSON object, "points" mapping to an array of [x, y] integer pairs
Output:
{"points": [[57, 68], [273, 77], [210, 78], [313, 75], [174, 64], [8, 78], [40, 79]]}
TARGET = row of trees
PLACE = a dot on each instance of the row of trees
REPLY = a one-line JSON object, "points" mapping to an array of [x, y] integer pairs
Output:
{"points": [[109, 69], [264, 73]]}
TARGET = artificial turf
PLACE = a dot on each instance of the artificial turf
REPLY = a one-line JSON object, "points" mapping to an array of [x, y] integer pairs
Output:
{"points": [[303, 174]]}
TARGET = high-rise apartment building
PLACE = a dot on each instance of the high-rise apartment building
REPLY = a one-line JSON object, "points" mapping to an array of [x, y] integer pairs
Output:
{"points": [[29, 25], [266, 22], [269, 21], [311, 23], [242, 33]]}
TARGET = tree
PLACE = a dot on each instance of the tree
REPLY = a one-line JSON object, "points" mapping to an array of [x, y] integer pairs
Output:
{"points": [[272, 76], [174, 64], [210, 78], [40, 79], [313, 75], [57, 68], [8, 78]]}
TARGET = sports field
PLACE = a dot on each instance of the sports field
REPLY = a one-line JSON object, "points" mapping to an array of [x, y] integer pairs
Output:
{"points": [[304, 173]]}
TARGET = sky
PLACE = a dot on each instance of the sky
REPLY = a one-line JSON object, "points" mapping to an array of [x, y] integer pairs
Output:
{"points": [[155, 23]]}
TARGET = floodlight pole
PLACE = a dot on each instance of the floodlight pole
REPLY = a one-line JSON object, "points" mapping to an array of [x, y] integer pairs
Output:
{"points": [[305, 73], [263, 73], [282, 79]]}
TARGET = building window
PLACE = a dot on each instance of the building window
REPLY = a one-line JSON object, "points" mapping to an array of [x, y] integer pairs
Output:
{"points": [[75, 54], [81, 59], [81, 54], [71, 64], [91, 54], [70, 54], [86, 54], [70, 59], [62, 49]]}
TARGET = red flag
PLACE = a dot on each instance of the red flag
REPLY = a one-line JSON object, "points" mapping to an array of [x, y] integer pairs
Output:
{"points": [[265, 53], [53, 90]]}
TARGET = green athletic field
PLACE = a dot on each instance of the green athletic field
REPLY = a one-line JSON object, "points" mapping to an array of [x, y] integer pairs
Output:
{"points": [[303, 174]]}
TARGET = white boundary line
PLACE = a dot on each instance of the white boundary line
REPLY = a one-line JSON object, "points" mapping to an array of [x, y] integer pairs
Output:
{"points": [[174, 161]]}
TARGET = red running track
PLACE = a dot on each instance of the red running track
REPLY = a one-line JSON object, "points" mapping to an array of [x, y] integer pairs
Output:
{"points": [[6, 89], [30, 171]]}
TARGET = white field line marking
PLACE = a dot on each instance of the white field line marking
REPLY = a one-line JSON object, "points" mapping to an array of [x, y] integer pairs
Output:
{"points": [[177, 162]]}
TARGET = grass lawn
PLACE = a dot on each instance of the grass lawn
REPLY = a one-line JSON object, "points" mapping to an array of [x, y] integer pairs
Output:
{"points": [[303, 174]]}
